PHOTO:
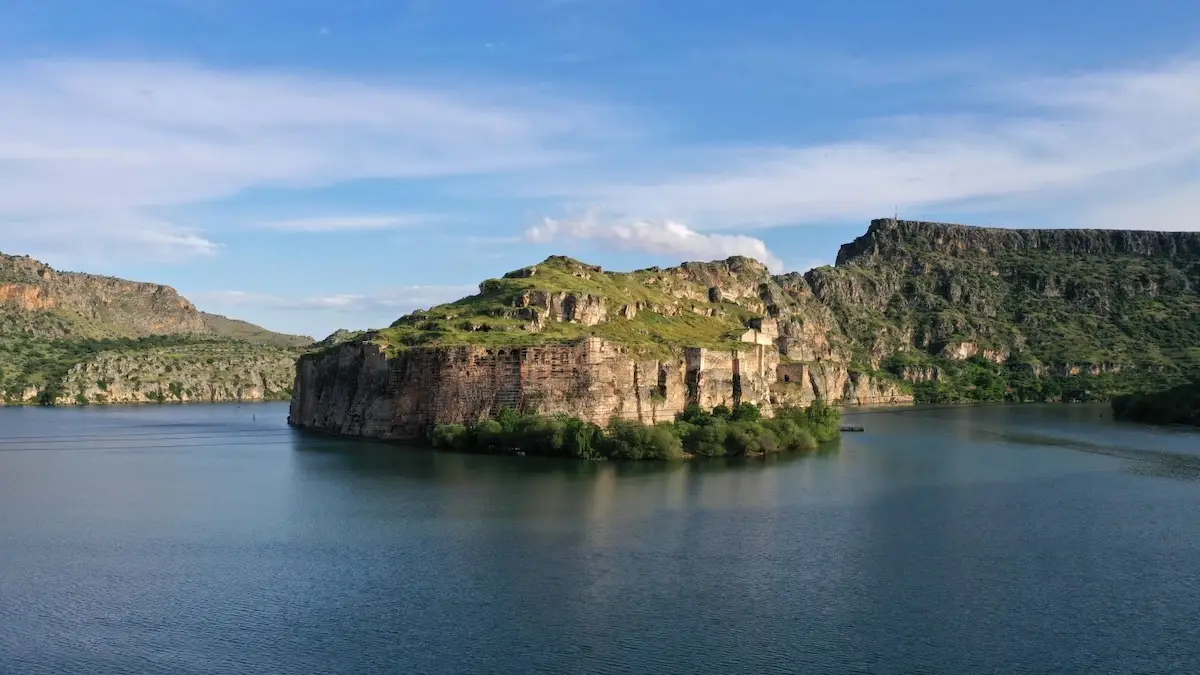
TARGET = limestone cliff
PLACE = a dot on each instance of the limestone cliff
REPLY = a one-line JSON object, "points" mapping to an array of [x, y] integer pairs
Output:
{"points": [[358, 389]]}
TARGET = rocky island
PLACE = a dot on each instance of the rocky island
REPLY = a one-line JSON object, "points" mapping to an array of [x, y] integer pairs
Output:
{"points": [[911, 311], [69, 338]]}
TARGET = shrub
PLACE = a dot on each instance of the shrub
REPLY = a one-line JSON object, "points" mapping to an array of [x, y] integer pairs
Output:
{"points": [[540, 435], [508, 419], [694, 414], [791, 436], [582, 439], [707, 440], [450, 437], [489, 436], [722, 412], [626, 439], [746, 412], [749, 438]]}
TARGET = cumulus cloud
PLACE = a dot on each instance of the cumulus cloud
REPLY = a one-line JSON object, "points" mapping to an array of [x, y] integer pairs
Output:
{"points": [[662, 237], [1078, 147], [89, 148]]}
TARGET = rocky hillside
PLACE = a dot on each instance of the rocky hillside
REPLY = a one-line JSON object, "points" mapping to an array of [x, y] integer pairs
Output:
{"points": [[200, 370], [985, 314], [929, 311], [56, 325]]}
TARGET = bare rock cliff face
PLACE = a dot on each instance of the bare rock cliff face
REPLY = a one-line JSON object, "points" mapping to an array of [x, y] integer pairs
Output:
{"points": [[130, 308], [355, 389]]}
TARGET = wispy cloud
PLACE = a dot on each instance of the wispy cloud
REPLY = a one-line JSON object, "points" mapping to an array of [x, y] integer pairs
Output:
{"points": [[662, 237], [89, 148], [1060, 144], [232, 298], [346, 223], [397, 300]]}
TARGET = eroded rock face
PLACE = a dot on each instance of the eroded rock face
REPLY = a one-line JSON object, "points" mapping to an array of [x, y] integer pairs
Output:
{"points": [[356, 390], [541, 306], [137, 309], [800, 384], [26, 297]]}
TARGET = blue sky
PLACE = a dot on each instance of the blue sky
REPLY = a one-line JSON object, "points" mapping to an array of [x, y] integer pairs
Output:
{"points": [[314, 165]]}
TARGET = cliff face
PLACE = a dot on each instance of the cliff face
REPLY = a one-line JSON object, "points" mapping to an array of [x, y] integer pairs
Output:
{"points": [[357, 389], [114, 307]]}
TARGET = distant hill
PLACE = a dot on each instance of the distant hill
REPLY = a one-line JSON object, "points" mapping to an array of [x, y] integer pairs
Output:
{"points": [[242, 330], [53, 322]]}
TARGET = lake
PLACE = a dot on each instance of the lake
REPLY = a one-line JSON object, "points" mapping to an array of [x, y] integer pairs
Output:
{"points": [[214, 539]]}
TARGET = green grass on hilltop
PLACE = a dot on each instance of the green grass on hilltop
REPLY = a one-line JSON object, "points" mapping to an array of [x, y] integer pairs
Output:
{"points": [[490, 318]]}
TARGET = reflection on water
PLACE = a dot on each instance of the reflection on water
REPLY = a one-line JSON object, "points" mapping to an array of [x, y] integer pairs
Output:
{"points": [[213, 539]]}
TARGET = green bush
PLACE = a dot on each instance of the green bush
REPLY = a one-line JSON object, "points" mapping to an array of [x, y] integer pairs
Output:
{"points": [[697, 432], [490, 436], [709, 440], [450, 437], [746, 412], [544, 436], [790, 435], [695, 415], [750, 438], [582, 439]]}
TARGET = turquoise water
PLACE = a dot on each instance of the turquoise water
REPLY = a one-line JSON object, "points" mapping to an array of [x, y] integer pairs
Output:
{"points": [[213, 539]]}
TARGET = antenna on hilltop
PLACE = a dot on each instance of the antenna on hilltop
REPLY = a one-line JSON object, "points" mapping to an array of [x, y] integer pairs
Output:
{"points": [[896, 215]]}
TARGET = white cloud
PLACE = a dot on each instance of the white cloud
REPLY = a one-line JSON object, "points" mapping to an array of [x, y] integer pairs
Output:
{"points": [[89, 148], [232, 298], [397, 300], [662, 237], [345, 223], [1059, 143]]}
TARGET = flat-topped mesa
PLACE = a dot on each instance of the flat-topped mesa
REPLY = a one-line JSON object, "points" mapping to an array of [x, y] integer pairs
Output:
{"points": [[888, 239]]}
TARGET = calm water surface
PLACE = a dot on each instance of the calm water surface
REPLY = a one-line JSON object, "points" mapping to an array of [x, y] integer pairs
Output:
{"points": [[213, 539]]}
